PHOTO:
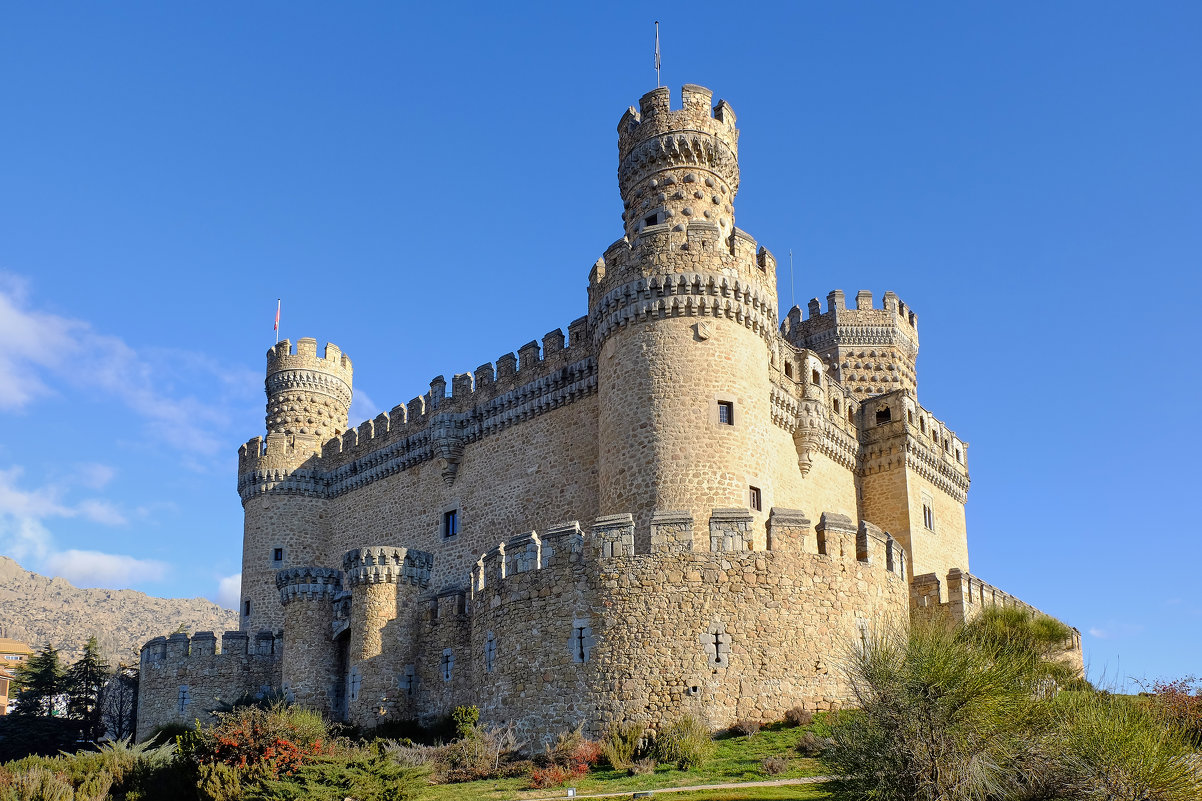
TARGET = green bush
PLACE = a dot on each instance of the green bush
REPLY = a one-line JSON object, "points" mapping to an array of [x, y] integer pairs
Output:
{"points": [[465, 719], [686, 743], [621, 745], [967, 712]]}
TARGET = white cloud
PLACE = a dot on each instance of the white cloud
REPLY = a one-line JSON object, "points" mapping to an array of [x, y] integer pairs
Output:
{"points": [[25, 537], [94, 475], [362, 408], [97, 569], [229, 591], [43, 351], [1114, 631]]}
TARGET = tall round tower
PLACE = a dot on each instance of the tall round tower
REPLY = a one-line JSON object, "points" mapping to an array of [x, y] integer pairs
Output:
{"points": [[308, 400], [683, 309]]}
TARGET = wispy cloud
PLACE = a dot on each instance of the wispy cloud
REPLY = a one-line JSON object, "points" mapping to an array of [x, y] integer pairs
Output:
{"points": [[362, 408], [229, 591], [1115, 630], [25, 536], [44, 351], [97, 569]]}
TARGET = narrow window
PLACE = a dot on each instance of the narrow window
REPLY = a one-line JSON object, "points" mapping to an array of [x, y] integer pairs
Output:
{"points": [[490, 652], [185, 698], [448, 664], [246, 608], [835, 404], [850, 414], [450, 523], [582, 642], [726, 413], [788, 369], [408, 680], [910, 416], [959, 456], [434, 611], [815, 377], [883, 415], [353, 683], [922, 424], [928, 516], [651, 220], [277, 555], [756, 503]]}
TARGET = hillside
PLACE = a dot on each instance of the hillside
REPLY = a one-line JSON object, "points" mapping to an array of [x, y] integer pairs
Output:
{"points": [[38, 610]]}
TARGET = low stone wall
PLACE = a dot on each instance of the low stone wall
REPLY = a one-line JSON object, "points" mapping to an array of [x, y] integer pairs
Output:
{"points": [[183, 679]]}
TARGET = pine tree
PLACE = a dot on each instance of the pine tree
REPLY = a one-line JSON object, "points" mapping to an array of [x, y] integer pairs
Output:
{"points": [[84, 682], [39, 682]]}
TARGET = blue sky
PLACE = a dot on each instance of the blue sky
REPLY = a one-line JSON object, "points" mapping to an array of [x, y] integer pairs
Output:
{"points": [[428, 188]]}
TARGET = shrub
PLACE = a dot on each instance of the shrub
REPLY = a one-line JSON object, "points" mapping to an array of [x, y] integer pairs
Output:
{"points": [[810, 744], [1111, 747], [642, 767], [476, 756], [774, 765], [556, 775], [964, 712], [1179, 701], [747, 728], [799, 716], [465, 719], [685, 743], [267, 742], [621, 744]]}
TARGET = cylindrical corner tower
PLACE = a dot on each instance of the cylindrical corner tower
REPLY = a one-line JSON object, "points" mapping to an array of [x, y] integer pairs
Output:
{"points": [[308, 395], [311, 671], [308, 401], [683, 310]]}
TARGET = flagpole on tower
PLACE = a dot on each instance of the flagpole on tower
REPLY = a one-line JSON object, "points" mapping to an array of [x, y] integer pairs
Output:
{"points": [[657, 83], [277, 321]]}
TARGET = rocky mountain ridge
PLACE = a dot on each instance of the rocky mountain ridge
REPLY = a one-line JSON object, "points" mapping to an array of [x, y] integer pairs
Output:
{"points": [[38, 610]]}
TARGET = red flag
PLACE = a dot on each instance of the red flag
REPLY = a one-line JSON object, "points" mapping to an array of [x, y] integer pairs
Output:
{"points": [[277, 314]]}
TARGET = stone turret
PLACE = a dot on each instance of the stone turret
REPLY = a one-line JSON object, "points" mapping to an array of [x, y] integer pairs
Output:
{"points": [[312, 673], [871, 351], [683, 311], [307, 395], [308, 402]]}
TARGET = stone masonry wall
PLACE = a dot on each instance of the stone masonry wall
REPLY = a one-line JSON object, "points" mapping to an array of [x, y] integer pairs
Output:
{"points": [[184, 678]]}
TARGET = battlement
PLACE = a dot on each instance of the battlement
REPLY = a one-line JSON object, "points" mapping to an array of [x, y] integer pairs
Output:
{"points": [[284, 356], [386, 564], [655, 115], [729, 531], [180, 650], [870, 350], [927, 445], [308, 583], [967, 596], [437, 424]]}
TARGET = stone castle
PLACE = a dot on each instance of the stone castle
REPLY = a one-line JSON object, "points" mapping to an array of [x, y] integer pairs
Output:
{"points": [[683, 506]]}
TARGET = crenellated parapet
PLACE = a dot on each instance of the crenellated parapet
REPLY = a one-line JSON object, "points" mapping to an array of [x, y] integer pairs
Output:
{"points": [[870, 350], [965, 597], [678, 164], [673, 534], [896, 432], [307, 394], [438, 425], [308, 583], [386, 564]]}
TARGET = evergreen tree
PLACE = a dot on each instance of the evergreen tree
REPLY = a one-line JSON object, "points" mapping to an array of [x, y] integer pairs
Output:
{"points": [[39, 682], [84, 682]]}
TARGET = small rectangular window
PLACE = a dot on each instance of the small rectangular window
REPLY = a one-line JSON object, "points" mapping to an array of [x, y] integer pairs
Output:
{"points": [[450, 523], [651, 220], [726, 413], [246, 608], [756, 503], [277, 555]]}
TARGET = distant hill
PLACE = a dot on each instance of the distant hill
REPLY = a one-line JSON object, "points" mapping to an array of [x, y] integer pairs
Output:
{"points": [[40, 610]]}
